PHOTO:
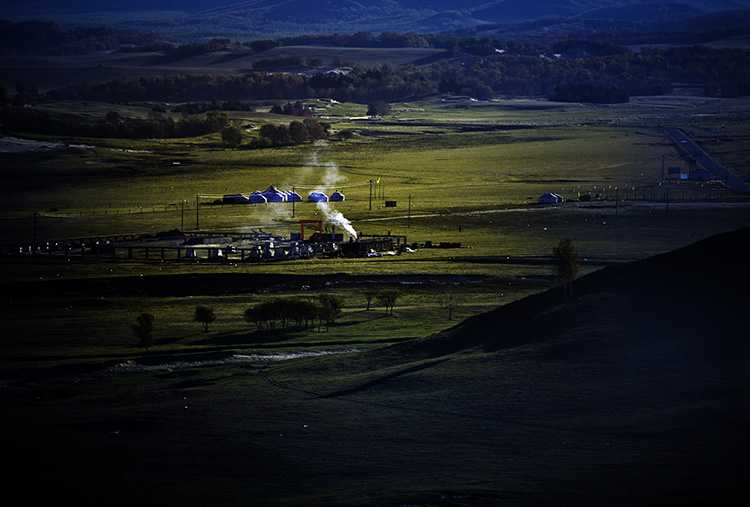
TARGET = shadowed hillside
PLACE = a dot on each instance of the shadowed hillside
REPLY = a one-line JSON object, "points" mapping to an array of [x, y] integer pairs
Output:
{"points": [[634, 392], [693, 296]]}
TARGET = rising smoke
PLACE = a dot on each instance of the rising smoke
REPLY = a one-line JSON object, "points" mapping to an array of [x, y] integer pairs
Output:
{"points": [[329, 178]]}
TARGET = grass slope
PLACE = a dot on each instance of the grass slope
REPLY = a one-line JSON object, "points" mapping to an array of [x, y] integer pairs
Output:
{"points": [[624, 395]]}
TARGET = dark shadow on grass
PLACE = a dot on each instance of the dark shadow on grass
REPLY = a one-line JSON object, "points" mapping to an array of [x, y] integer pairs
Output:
{"points": [[385, 378], [246, 337], [230, 58]]}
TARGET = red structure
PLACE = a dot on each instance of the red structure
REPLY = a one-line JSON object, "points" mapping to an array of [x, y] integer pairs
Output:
{"points": [[302, 226]]}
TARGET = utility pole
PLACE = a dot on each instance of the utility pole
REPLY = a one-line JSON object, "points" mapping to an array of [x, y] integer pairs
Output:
{"points": [[662, 167], [726, 180], [197, 213], [408, 220], [617, 202], [371, 194], [182, 216], [292, 201]]}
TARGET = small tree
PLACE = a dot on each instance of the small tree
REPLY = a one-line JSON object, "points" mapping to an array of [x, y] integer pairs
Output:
{"points": [[144, 330], [298, 132], [330, 308], [205, 315], [566, 265], [388, 298], [370, 294], [378, 108], [231, 135], [450, 295]]}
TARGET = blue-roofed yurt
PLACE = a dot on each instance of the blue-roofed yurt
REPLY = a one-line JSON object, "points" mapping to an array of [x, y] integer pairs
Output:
{"points": [[549, 198], [274, 195], [293, 197], [337, 196], [257, 198], [317, 197]]}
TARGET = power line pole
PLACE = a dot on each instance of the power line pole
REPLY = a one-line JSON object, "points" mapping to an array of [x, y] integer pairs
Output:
{"points": [[408, 221], [197, 213], [370, 194], [662, 167]]}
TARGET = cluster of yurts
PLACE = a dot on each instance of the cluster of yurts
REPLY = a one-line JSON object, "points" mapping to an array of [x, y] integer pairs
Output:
{"points": [[272, 194]]}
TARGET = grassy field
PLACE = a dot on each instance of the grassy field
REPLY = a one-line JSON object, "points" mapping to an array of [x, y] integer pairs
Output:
{"points": [[544, 403], [460, 172], [217, 428]]}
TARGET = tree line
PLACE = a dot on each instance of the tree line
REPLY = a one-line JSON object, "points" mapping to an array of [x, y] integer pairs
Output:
{"points": [[282, 313], [113, 125], [47, 38], [723, 72]]}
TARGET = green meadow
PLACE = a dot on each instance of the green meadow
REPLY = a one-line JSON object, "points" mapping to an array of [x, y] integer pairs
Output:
{"points": [[460, 171], [332, 415]]}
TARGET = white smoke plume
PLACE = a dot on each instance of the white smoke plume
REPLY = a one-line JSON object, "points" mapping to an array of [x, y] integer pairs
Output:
{"points": [[330, 177]]}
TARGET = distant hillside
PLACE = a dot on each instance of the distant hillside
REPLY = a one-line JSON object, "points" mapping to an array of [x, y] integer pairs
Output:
{"points": [[194, 19], [693, 298]]}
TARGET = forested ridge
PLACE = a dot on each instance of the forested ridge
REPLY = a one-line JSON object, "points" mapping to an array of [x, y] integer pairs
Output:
{"points": [[723, 72]]}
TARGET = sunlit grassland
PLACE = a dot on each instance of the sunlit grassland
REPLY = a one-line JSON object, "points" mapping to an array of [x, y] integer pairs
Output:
{"points": [[458, 175], [148, 186]]}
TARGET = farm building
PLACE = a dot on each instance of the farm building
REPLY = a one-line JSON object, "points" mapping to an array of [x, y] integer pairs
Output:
{"points": [[234, 199], [550, 198], [317, 197], [337, 196]]}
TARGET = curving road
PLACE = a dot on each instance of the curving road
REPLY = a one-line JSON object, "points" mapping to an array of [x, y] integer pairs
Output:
{"points": [[714, 168]]}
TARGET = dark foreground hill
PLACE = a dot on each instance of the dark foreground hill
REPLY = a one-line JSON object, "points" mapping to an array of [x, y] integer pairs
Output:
{"points": [[634, 392]]}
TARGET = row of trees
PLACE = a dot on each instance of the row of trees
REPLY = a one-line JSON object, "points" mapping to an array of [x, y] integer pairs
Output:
{"points": [[113, 125], [305, 314], [286, 62], [279, 313], [204, 107], [645, 73], [47, 38], [292, 312], [298, 132]]}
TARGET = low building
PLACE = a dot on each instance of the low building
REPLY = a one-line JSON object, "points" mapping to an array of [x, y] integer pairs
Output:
{"points": [[337, 196], [257, 198], [274, 195], [700, 175], [234, 199], [550, 198], [317, 197]]}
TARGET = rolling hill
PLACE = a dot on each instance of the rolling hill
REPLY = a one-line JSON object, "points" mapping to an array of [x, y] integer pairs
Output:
{"points": [[194, 19], [633, 392]]}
